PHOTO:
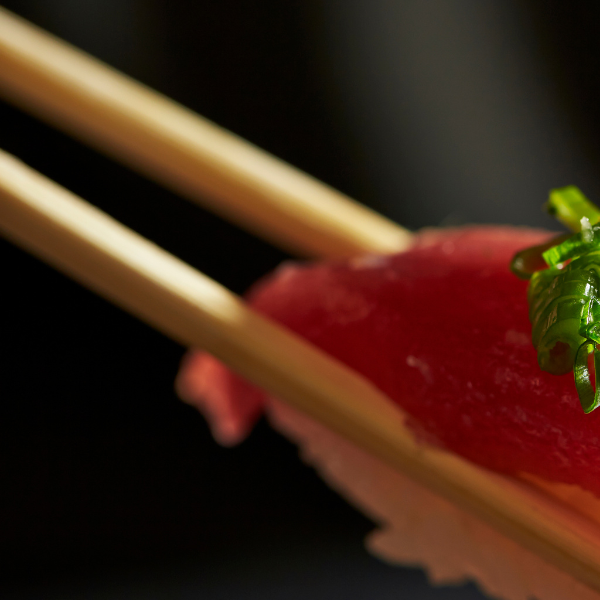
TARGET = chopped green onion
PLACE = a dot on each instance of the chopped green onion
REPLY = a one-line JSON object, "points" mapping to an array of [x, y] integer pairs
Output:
{"points": [[589, 398], [569, 205]]}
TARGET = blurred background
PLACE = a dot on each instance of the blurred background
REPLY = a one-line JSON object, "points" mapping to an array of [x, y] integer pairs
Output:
{"points": [[434, 113]]}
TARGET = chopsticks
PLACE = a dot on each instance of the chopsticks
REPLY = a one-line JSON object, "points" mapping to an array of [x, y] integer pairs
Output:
{"points": [[183, 151], [134, 273], [199, 159]]}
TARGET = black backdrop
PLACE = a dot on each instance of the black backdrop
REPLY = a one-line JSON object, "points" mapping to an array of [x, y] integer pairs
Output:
{"points": [[109, 486]]}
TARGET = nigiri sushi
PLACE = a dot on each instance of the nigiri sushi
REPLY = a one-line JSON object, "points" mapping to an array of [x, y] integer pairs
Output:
{"points": [[443, 330]]}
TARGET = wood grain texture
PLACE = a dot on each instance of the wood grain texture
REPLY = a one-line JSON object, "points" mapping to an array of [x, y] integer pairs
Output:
{"points": [[96, 250], [184, 151]]}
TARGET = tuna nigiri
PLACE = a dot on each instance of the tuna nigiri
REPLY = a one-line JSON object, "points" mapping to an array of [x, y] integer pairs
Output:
{"points": [[443, 330]]}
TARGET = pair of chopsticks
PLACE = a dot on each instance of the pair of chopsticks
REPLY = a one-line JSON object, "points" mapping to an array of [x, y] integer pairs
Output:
{"points": [[209, 165]]}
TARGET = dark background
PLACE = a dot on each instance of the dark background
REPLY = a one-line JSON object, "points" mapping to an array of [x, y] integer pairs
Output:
{"points": [[437, 112]]}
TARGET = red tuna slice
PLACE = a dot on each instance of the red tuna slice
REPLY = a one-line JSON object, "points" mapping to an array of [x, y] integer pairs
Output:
{"points": [[443, 330]]}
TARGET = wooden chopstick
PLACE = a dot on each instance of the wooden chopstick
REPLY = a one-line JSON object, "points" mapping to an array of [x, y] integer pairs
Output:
{"points": [[182, 150], [85, 243]]}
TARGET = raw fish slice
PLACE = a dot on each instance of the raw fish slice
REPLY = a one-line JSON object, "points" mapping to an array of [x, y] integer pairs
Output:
{"points": [[229, 404], [443, 330]]}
